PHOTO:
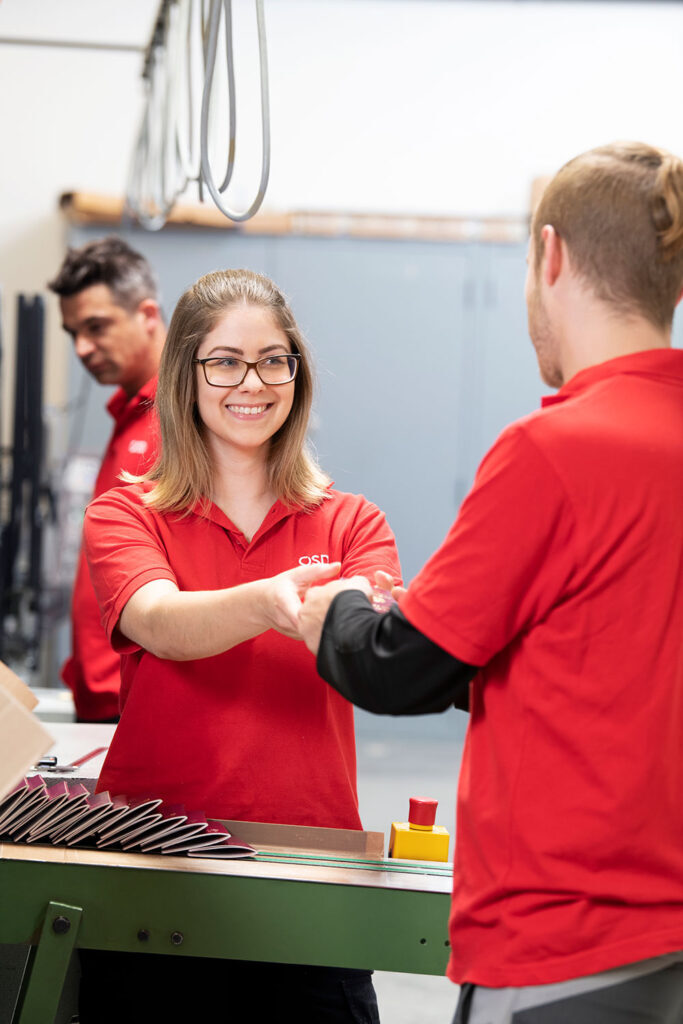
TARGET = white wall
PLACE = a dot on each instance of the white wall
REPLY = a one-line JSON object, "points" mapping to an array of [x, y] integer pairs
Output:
{"points": [[66, 121], [454, 107], [430, 106]]}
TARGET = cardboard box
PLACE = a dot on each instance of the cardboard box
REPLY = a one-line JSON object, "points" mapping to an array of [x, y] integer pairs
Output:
{"points": [[23, 739]]}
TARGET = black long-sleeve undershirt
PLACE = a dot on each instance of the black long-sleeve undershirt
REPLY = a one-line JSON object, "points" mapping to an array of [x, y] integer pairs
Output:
{"points": [[385, 665]]}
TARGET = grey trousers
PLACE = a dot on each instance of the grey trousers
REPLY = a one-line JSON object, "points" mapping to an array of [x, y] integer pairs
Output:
{"points": [[647, 992]]}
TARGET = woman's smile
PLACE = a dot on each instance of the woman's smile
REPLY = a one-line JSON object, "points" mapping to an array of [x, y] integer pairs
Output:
{"points": [[247, 411]]}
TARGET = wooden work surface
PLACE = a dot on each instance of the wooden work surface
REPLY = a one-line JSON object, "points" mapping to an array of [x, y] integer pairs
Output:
{"points": [[409, 876]]}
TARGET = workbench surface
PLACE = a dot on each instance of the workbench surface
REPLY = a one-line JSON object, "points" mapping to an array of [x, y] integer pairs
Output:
{"points": [[288, 907]]}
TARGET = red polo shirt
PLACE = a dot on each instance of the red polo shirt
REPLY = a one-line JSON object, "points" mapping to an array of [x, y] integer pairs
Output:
{"points": [[253, 733], [563, 576], [93, 671]]}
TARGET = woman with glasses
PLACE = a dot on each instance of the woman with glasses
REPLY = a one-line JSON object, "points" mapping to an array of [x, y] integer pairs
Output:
{"points": [[200, 567]]}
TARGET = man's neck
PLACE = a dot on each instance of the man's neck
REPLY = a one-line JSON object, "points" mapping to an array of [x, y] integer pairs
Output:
{"points": [[151, 367], [600, 336]]}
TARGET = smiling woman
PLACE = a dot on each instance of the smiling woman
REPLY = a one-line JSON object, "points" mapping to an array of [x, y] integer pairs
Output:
{"points": [[200, 568], [239, 409], [220, 315]]}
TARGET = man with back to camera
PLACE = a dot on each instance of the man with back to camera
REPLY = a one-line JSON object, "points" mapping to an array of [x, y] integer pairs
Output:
{"points": [[109, 303], [557, 596]]}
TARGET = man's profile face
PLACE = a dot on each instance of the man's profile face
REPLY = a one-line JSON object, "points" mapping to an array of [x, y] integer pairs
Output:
{"points": [[541, 332], [112, 343]]}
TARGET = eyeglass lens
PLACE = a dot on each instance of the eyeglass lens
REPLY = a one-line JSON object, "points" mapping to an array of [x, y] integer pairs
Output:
{"points": [[229, 371]]}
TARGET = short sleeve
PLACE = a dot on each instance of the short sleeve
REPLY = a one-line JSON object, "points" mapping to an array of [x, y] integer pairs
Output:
{"points": [[124, 551], [508, 557], [368, 543]]}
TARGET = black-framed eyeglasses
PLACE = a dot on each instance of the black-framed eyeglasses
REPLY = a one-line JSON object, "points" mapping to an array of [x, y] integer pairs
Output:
{"points": [[229, 371]]}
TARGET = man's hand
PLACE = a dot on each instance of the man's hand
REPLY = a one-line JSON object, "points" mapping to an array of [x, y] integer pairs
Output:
{"points": [[316, 604], [383, 581], [284, 594]]}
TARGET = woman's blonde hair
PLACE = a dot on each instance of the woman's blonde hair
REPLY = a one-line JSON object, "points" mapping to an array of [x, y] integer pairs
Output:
{"points": [[183, 473], [619, 208]]}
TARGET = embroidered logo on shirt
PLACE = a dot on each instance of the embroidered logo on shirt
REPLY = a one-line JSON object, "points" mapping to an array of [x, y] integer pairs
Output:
{"points": [[138, 447], [314, 560]]}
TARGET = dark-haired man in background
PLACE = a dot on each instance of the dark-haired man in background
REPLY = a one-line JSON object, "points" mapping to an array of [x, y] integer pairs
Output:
{"points": [[109, 303]]}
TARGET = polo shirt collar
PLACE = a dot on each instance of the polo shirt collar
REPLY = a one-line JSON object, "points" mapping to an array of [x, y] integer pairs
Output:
{"points": [[275, 513], [120, 403], [666, 363]]}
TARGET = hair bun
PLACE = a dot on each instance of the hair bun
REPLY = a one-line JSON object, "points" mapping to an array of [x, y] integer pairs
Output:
{"points": [[668, 206]]}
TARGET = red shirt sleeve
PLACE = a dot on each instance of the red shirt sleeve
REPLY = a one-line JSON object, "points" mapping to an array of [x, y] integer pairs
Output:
{"points": [[506, 560], [368, 543], [124, 552]]}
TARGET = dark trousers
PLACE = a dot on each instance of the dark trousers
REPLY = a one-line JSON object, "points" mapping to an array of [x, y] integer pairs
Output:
{"points": [[143, 988]]}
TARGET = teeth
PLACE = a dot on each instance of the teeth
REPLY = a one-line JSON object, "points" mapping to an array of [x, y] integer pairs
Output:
{"points": [[247, 410]]}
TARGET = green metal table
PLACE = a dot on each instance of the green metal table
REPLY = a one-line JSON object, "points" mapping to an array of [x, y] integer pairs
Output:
{"points": [[309, 909]]}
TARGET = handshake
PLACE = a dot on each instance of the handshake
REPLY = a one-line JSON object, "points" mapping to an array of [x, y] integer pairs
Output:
{"points": [[299, 599]]}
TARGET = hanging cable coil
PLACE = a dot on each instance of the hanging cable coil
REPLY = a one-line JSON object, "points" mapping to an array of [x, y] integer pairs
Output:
{"points": [[180, 125]]}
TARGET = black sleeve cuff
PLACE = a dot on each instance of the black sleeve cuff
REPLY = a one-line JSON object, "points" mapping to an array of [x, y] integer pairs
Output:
{"points": [[385, 665]]}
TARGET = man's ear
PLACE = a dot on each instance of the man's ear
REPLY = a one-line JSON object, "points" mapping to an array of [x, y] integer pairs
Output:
{"points": [[553, 255], [151, 314]]}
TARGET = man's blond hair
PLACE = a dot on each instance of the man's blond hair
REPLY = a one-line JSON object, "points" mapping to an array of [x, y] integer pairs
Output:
{"points": [[619, 208]]}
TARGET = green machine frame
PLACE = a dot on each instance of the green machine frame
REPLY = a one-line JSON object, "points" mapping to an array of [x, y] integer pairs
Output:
{"points": [[288, 909]]}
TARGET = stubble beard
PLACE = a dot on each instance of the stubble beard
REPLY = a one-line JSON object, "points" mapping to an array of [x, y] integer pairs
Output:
{"points": [[544, 340]]}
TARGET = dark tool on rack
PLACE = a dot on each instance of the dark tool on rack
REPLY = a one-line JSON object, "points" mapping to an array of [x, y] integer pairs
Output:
{"points": [[25, 497]]}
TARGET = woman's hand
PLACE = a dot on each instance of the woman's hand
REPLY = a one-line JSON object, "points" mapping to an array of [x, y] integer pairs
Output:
{"points": [[316, 604], [185, 625], [285, 592]]}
